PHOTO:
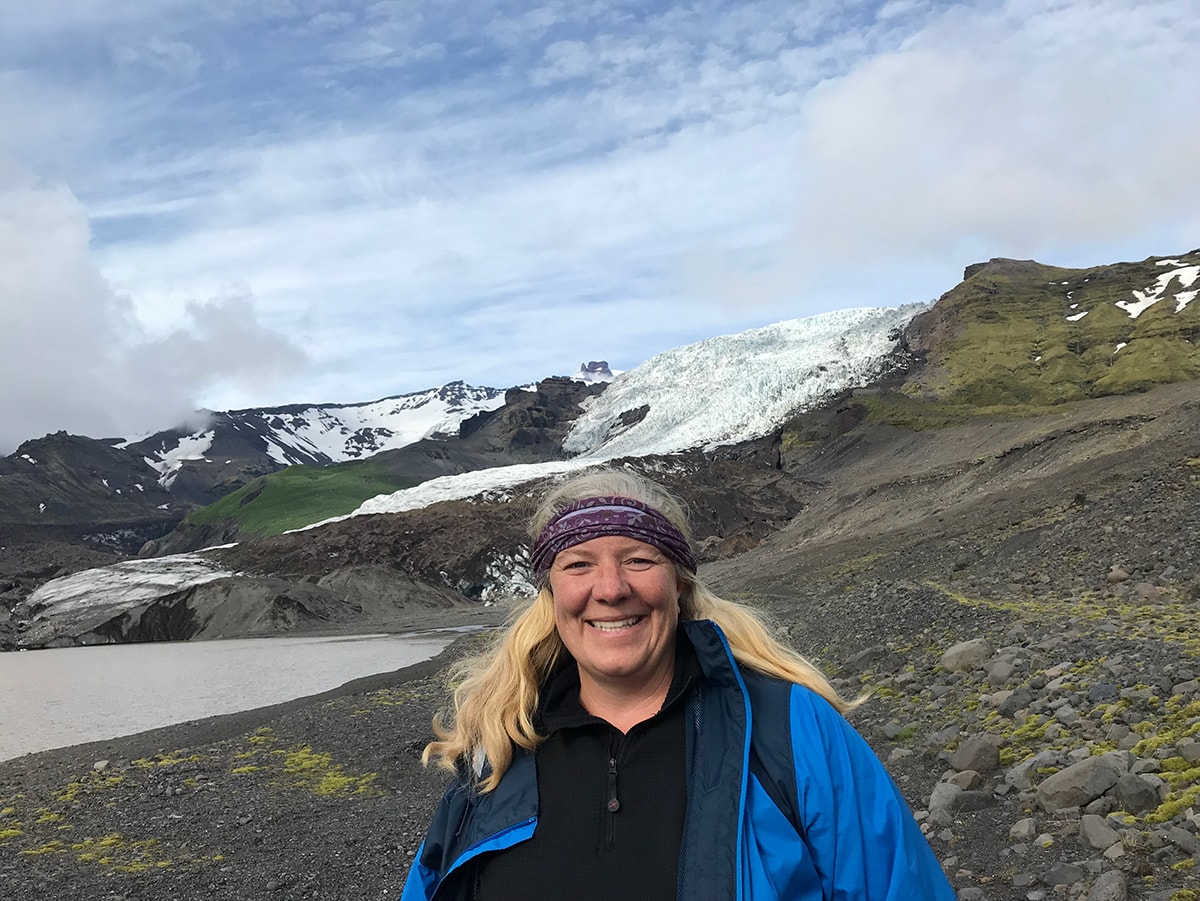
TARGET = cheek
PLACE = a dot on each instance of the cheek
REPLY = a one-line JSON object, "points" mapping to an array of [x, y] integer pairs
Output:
{"points": [[567, 603]]}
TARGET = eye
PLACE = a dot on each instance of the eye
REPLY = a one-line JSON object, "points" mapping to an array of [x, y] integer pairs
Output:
{"points": [[640, 562], [575, 564]]}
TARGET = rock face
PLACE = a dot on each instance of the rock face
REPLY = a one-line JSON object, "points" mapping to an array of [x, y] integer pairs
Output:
{"points": [[595, 371], [69, 488]]}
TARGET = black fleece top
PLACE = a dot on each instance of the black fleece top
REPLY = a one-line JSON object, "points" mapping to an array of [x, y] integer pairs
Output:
{"points": [[611, 806]]}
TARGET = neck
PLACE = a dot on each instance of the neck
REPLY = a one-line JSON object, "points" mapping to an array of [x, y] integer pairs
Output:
{"points": [[625, 706]]}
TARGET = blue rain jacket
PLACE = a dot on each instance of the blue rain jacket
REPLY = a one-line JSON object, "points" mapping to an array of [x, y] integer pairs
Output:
{"points": [[814, 817]]}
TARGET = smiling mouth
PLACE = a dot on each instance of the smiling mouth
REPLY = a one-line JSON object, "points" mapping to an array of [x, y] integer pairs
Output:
{"points": [[615, 625]]}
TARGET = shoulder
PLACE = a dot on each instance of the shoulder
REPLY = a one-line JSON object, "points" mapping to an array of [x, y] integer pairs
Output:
{"points": [[780, 699]]}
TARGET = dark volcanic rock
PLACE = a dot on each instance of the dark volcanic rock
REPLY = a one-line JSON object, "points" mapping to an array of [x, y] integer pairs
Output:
{"points": [[67, 488]]}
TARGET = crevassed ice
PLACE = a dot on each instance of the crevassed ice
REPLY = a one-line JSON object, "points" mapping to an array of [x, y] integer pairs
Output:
{"points": [[738, 387]]}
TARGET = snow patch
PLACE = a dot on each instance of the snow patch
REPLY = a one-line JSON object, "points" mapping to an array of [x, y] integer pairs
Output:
{"points": [[93, 594], [169, 462], [1077, 316], [1143, 300]]}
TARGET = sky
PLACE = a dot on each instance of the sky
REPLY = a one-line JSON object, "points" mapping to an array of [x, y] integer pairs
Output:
{"points": [[245, 203]]}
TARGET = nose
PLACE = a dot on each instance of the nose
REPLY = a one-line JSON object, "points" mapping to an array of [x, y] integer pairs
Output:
{"points": [[609, 584]]}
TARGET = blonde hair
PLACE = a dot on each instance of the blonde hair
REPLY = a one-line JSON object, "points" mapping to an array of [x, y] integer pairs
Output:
{"points": [[497, 691]]}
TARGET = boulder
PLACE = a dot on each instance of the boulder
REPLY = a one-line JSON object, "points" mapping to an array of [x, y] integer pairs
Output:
{"points": [[1110, 886], [1135, 794], [1018, 700], [1020, 776], [1096, 833], [966, 655], [1081, 783], [980, 753]]}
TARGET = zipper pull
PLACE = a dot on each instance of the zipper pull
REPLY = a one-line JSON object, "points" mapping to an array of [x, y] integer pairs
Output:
{"points": [[614, 803]]}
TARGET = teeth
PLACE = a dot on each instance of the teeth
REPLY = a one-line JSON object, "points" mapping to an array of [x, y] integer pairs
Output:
{"points": [[614, 626]]}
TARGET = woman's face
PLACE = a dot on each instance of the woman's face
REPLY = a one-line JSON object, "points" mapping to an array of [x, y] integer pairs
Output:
{"points": [[616, 607]]}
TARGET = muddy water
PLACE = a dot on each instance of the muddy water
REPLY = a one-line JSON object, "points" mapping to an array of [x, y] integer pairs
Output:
{"points": [[60, 697]]}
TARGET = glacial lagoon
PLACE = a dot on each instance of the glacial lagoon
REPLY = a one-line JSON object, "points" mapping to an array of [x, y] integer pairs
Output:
{"points": [[60, 697]]}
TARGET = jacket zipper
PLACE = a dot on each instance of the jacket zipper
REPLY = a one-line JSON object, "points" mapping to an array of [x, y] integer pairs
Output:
{"points": [[613, 803]]}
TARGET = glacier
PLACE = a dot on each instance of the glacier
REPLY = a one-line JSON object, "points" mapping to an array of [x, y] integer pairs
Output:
{"points": [[718, 391]]}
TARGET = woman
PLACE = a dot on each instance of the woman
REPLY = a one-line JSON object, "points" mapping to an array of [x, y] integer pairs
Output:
{"points": [[633, 736]]}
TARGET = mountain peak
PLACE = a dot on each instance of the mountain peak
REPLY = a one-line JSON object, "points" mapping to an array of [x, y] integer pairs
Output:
{"points": [[595, 371]]}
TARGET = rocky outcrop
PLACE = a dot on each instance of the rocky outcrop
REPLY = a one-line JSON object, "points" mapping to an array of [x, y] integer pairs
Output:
{"points": [[347, 600], [68, 488]]}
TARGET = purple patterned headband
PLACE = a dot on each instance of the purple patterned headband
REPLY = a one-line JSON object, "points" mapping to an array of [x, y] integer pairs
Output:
{"points": [[597, 517]]}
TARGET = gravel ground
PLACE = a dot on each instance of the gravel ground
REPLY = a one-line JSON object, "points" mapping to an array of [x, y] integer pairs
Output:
{"points": [[319, 798]]}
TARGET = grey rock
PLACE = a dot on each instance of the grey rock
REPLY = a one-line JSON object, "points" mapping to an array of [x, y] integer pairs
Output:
{"points": [[1018, 700], [1000, 672], [1189, 749], [979, 752], [1063, 874], [1066, 714], [1096, 833], [1129, 742], [944, 796], [1135, 794], [1021, 775], [863, 659], [1110, 886], [1081, 783], [966, 655], [1181, 838], [1023, 830], [1104, 691]]}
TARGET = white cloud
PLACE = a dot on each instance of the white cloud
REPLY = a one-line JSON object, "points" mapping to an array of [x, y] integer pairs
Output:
{"points": [[172, 57], [1035, 129], [72, 353], [482, 190]]}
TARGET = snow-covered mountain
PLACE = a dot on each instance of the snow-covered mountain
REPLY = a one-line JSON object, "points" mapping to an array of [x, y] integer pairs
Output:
{"points": [[319, 435], [1016, 335], [722, 390], [719, 391]]}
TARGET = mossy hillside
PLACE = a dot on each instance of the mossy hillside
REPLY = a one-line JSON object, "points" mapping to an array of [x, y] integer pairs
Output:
{"points": [[52, 825], [299, 496], [1008, 339], [1159, 719]]}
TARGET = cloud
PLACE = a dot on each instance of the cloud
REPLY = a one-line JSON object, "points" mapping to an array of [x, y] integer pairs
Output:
{"points": [[495, 190], [73, 354], [172, 57], [1034, 129]]}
